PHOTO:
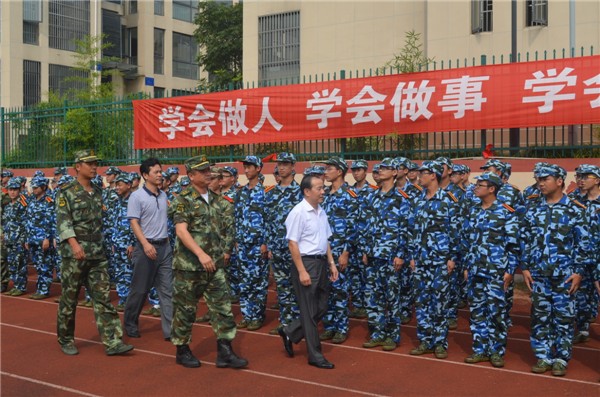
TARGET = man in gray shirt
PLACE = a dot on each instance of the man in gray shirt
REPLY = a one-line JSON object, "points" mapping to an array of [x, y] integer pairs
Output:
{"points": [[152, 255]]}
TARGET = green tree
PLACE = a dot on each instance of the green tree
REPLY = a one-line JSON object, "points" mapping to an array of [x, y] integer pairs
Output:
{"points": [[219, 33], [411, 58]]}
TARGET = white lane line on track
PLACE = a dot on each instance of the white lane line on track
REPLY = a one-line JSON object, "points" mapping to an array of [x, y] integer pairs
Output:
{"points": [[52, 385], [306, 382], [337, 346]]}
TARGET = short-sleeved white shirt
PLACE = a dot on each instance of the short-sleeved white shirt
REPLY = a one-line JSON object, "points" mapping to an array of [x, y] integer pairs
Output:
{"points": [[309, 228]]}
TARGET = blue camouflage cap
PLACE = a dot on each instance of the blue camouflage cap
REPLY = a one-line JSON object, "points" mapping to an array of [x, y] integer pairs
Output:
{"points": [[445, 161], [14, 183], [499, 165], [21, 179], [315, 170], [60, 171], [507, 170], [356, 164], [491, 178], [412, 166], [173, 171], [135, 175], [38, 181], [459, 169], [285, 157], [64, 179], [337, 162], [584, 169], [253, 160], [376, 168], [231, 170], [402, 162], [388, 162], [165, 175], [98, 181], [185, 181], [552, 170], [275, 171], [433, 166], [124, 177], [7, 173], [39, 173], [112, 170]]}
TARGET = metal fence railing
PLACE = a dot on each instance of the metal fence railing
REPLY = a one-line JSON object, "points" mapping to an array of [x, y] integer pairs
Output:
{"points": [[47, 134]]}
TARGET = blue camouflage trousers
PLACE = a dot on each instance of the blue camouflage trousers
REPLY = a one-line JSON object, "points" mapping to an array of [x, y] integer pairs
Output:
{"points": [[17, 267], [153, 297], [432, 283], [288, 306], [43, 266], [382, 299], [586, 303], [456, 278], [552, 319], [254, 282], [487, 302], [406, 294], [123, 273], [336, 319], [356, 274], [232, 272]]}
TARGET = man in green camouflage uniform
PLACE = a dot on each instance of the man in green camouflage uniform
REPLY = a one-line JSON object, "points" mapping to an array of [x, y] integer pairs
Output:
{"points": [[79, 226], [204, 226]]}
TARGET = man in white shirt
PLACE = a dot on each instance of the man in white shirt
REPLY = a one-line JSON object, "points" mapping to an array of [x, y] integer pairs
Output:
{"points": [[307, 234]]}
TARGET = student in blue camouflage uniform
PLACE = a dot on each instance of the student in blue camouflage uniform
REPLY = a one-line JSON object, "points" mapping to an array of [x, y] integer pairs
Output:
{"points": [[135, 181], [109, 199], [13, 236], [384, 243], [175, 187], [111, 175], [229, 189], [433, 250], [556, 237], [41, 228], [413, 172], [356, 271], [588, 183], [280, 199], [490, 247], [123, 238], [251, 249], [316, 170], [403, 182], [375, 174], [58, 173], [341, 205]]}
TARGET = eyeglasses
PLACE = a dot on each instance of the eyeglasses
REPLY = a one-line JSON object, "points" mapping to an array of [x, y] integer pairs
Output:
{"points": [[482, 185], [584, 177], [425, 172]]}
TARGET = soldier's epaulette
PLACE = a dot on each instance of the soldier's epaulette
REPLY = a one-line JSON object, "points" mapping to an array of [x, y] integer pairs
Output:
{"points": [[403, 193], [104, 208], [49, 199], [352, 193], [185, 192], [269, 188], [23, 200], [68, 185], [228, 199], [373, 186], [419, 187], [508, 207], [462, 188], [452, 196], [578, 203], [572, 189], [238, 187], [532, 196]]}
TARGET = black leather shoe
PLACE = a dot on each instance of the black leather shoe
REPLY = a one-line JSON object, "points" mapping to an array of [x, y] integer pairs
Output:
{"points": [[133, 334], [322, 364], [287, 342]]}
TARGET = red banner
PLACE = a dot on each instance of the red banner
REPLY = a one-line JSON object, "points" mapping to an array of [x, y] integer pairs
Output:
{"points": [[529, 94]]}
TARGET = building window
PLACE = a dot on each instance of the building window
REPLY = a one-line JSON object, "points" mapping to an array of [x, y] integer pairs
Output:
{"points": [[159, 51], [111, 27], [536, 13], [31, 33], [159, 7], [68, 21], [131, 46], [133, 6], [63, 80], [32, 85], [481, 16], [185, 54], [159, 92], [185, 10], [279, 47]]}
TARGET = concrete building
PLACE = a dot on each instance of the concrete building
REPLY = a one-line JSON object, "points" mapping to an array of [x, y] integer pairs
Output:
{"points": [[290, 39], [153, 40]]}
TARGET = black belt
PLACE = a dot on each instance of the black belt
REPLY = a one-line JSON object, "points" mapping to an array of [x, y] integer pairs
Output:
{"points": [[88, 237], [159, 241], [315, 256]]}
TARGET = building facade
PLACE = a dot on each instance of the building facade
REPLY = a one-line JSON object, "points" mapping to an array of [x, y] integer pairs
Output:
{"points": [[152, 42], [291, 39]]}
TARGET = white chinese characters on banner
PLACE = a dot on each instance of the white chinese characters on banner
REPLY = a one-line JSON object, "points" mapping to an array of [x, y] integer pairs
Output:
{"points": [[171, 118], [594, 103], [266, 116], [411, 101], [463, 94], [233, 117], [323, 102], [550, 86], [202, 121], [369, 101]]}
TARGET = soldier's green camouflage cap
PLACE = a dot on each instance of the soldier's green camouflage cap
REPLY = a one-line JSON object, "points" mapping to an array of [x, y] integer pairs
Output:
{"points": [[13, 183], [185, 181], [388, 162], [433, 166], [60, 171], [491, 178], [356, 164], [445, 161], [584, 169], [38, 181], [229, 169], [112, 170], [315, 170], [253, 160], [64, 179], [337, 162], [198, 163], [412, 166], [124, 177], [7, 173], [552, 170], [86, 156], [499, 165], [285, 157]]}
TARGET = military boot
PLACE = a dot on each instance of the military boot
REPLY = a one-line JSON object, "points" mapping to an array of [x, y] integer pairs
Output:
{"points": [[186, 358], [226, 357]]}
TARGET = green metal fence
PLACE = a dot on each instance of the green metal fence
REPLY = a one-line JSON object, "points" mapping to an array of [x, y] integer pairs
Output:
{"points": [[47, 134]]}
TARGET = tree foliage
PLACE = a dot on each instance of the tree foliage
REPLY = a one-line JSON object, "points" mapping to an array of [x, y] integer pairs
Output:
{"points": [[411, 57], [219, 33]]}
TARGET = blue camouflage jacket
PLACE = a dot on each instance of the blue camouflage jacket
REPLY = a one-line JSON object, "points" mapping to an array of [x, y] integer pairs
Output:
{"points": [[342, 209], [249, 210], [279, 201], [13, 221], [40, 220]]}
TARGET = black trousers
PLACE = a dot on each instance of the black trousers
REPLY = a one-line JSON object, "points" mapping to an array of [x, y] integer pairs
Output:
{"points": [[312, 301]]}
